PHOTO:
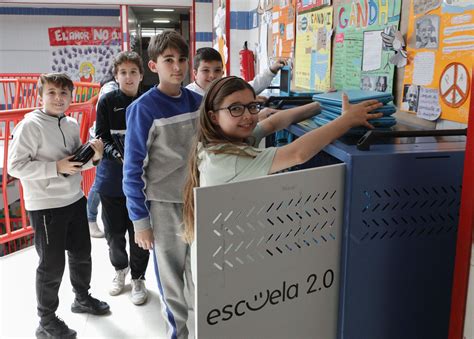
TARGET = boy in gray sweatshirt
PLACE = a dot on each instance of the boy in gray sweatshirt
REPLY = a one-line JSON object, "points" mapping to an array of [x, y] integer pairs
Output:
{"points": [[40, 156]]}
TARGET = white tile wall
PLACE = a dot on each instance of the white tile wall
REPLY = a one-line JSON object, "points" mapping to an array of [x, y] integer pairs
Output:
{"points": [[24, 40], [204, 17]]}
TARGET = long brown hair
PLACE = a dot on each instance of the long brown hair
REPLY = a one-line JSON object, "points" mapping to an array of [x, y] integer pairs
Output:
{"points": [[209, 134]]}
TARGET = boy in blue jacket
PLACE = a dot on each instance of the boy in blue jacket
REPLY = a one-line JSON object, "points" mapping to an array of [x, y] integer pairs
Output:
{"points": [[160, 128]]}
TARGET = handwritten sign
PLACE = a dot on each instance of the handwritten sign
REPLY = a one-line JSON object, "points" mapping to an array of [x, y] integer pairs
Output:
{"points": [[428, 104]]}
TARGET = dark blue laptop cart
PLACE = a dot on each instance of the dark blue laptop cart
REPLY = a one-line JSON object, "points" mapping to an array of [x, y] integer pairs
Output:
{"points": [[401, 213]]}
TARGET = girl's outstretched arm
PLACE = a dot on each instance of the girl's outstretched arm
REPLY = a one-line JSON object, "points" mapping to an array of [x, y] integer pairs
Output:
{"points": [[306, 146], [284, 118]]}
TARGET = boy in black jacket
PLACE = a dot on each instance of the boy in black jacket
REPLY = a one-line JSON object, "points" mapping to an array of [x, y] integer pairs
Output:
{"points": [[111, 127]]}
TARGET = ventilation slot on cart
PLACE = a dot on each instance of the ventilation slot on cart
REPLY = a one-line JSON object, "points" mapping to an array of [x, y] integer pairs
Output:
{"points": [[277, 228], [408, 212]]}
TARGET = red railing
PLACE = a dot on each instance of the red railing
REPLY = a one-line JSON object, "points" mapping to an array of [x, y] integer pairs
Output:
{"points": [[15, 231], [20, 76], [23, 93]]}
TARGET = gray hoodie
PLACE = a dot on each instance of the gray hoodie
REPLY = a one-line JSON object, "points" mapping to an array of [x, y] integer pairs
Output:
{"points": [[40, 140]]}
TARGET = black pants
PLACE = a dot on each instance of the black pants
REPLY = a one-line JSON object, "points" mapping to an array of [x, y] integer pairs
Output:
{"points": [[116, 224], [57, 230]]}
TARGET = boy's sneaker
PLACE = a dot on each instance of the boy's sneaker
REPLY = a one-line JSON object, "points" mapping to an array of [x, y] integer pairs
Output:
{"points": [[90, 305], [119, 281], [139, 292], [94, 230], [55, 328]]}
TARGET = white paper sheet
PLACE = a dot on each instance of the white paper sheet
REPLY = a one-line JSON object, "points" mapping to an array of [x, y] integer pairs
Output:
{"points": [[289, 32], [372, 54], [428, 104], [275, 28], [424, 68]]}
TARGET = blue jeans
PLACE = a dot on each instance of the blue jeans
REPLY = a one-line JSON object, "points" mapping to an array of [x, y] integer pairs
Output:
{"points": [[93, 201]]}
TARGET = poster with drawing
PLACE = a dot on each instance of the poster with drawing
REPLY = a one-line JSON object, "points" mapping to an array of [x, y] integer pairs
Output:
{"points": [[313, 50], [283, 28], [361, 58], [308, 5], [84, 53], [440, 53], [219, 26]]}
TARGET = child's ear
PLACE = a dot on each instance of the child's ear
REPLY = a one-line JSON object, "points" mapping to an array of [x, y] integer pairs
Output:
{"points": [[152, 66], [40, 100], [195, 72], [213, 117]]}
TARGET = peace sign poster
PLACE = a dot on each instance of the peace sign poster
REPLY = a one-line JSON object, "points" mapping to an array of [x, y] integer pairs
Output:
{"points": [[438, 74]]}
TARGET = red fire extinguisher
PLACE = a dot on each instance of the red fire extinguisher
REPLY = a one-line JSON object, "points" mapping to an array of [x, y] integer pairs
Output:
{"points": [[247, 63]]}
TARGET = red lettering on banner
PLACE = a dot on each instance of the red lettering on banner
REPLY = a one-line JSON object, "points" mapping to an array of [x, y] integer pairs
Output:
{"points": [[62, 36]]}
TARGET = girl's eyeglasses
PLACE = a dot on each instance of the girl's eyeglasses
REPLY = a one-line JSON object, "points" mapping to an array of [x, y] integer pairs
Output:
{"points": [[237, 110]]}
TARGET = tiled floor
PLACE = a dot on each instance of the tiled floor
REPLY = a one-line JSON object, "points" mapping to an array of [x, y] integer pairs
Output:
{"points": [[18, 302]]}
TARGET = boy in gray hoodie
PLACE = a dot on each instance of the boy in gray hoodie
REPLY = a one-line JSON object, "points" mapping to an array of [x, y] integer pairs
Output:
{"points": [[40, 156]]}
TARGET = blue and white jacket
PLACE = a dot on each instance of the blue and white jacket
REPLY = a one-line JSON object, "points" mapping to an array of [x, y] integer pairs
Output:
{"points": [[160, 132]]}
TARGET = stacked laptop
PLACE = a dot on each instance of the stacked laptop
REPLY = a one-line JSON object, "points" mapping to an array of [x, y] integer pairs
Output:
{"points": [[331, 108]]}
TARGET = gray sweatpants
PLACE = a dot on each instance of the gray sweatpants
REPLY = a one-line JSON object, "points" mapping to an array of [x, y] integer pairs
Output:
{"points": [[172, 266]]}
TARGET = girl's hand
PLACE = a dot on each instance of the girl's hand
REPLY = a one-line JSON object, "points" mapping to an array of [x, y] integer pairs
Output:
{"points": [[358, 114], [266, 113], [98, 147], [64, 166]]}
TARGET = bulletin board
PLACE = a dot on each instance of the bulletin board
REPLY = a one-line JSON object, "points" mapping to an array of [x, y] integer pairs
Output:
{"points": [[440, 49], [283, 28], [361, 60], [313, 49]]}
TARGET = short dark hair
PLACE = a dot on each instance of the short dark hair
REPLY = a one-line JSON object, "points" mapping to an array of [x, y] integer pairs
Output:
{"points": [[61, 80], [168, 39], [206, 54], [128, 56]]}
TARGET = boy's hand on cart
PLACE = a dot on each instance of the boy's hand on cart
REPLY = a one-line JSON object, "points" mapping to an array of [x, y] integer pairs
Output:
{"points": [[98, 147], [277, 64], [359, 113], [65, 166], [145, 239]]}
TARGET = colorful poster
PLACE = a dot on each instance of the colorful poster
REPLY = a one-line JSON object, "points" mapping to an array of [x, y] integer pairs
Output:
{"points": [[313, 50], [84, 53], [361, 60], [283, 28], [220, 38], [307, 5], [440, 59]]}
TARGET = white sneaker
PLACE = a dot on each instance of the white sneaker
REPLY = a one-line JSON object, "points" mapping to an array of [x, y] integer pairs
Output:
{"points": [[139, 292], [119, 281], [94, 230]]}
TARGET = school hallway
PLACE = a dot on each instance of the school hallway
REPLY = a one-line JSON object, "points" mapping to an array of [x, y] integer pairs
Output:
{"points": [[18, 317]]}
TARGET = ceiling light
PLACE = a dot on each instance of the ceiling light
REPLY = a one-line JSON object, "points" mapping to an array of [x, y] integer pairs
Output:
{"points": [[161, 21], [163, 10], [150, 32]]}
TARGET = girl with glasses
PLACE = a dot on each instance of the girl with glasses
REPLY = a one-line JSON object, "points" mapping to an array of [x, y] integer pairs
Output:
{"points": [[226, 146]]}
